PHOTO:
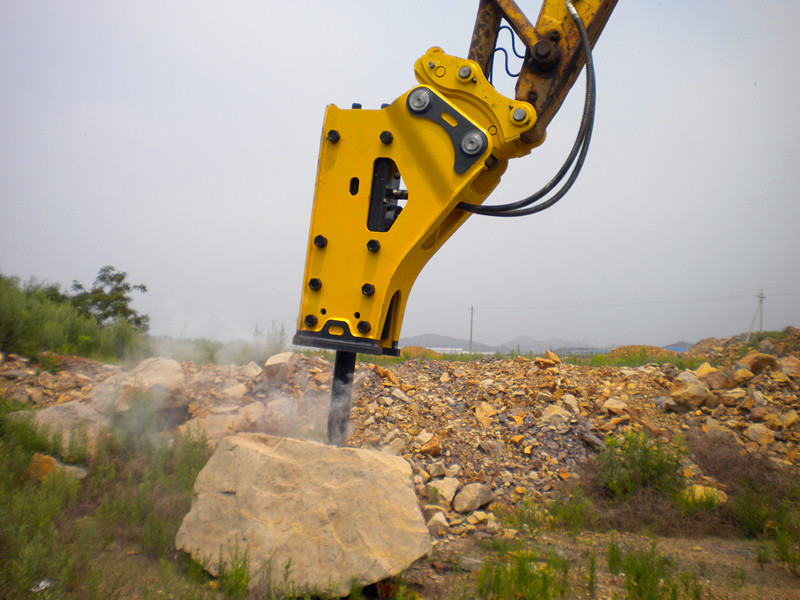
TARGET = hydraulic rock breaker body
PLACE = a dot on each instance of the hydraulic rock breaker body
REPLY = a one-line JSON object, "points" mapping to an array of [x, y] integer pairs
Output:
{"points": [[388, 183]]}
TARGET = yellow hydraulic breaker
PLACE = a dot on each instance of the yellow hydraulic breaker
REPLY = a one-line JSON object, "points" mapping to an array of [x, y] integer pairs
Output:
{"points": [[388, 183]]}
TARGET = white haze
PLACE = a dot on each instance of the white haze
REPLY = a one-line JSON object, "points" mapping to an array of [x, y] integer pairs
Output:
{"points": [[178, 142]]}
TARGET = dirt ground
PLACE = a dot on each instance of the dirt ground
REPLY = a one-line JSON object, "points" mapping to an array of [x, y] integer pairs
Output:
{"points": [[726, 568]]}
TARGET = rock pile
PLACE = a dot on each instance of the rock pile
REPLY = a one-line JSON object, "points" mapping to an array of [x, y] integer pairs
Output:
{"points": [[476, 435]]}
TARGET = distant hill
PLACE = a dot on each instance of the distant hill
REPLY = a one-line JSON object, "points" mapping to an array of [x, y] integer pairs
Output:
{"points": [[434, 340], [679, 346], [525, 343], [522, 344]]}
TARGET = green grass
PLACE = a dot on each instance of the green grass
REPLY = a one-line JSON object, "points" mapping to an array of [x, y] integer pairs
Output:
{"points": [[61, 530]]}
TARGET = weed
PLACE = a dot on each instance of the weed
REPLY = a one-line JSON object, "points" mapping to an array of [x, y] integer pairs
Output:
{"points": [[575, 511], [787, 547], [523, 575], [614, 557], [739, 577], [528, 516], [763, 555], [636, 462], [691, 503], [591, 576], [234, 577]]}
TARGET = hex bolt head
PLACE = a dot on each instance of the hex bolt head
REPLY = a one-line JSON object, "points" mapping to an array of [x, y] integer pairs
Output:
{"points": [[373, 245], [363, 327], [472, 143], [356, 105], [310, 320], [320, 241], [541, 50], [386, 137], [419, 100], [333, 136], [519, 115], [465, 72], [368, 289], [314, 283], [545, 54]]}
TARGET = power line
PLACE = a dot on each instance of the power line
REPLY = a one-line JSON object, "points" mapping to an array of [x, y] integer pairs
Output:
{"points": [[613, 303]]}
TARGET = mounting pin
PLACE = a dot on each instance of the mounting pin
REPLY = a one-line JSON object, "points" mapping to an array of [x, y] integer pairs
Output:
{"points": [[368, 289], [472, 143], [419, 100], [310, 320], [386, 137], [314, 283], [373, 245], [333, 136], [320, 241], [363, 327]]}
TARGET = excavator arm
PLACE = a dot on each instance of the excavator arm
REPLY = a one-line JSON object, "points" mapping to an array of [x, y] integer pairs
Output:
{"points": [[553, 57], [393, 184]]}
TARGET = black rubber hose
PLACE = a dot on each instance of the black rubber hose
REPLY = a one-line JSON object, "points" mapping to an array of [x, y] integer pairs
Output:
{"points": [[579, 149]]}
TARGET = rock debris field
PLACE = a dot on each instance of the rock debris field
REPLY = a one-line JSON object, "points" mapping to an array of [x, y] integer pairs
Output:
{"points": [[474, 435]]}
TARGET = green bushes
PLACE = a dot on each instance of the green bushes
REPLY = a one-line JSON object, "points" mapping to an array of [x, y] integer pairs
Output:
{"points": [[33, 322], [638, 462]]}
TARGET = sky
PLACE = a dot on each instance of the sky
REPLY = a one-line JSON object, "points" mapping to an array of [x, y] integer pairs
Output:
{"points": [[178, 141]]}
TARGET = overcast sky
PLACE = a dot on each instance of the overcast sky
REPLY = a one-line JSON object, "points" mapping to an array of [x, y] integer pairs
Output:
{"points": [[178, 141]]}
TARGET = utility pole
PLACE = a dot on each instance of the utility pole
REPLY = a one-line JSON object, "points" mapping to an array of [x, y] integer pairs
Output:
{"points": [[471, 315], [759, 313]]}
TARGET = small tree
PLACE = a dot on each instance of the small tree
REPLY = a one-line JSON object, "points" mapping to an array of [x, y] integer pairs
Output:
{"points": [[109, 299]]}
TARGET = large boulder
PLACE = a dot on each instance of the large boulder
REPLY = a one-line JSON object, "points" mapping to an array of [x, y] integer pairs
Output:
{"points": [[338, 514]]}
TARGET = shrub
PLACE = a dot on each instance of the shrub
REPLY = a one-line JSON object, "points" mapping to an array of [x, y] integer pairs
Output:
{"points": [[636, 462], [32, 322]]}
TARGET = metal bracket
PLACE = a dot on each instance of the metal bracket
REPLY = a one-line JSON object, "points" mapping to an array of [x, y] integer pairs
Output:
{"points": [[469, 142]]}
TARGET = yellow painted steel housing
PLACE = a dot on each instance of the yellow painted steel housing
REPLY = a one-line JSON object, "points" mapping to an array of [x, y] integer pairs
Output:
{"points": [[446, 141]]}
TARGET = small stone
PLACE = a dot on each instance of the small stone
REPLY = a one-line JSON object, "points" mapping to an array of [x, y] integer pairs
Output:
{"points": [[396, 446], [614, 406], [756, 362], [484, 413], [555, 415], [433, 447], [692, 396], [472, 496], [571, 403], [235, 392], [453, 471], [445, 490], [704, 370], [789, 419], [760, 434], [278, 366], [251, 370], [791, 366], [437, 469], [438, 525]]}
